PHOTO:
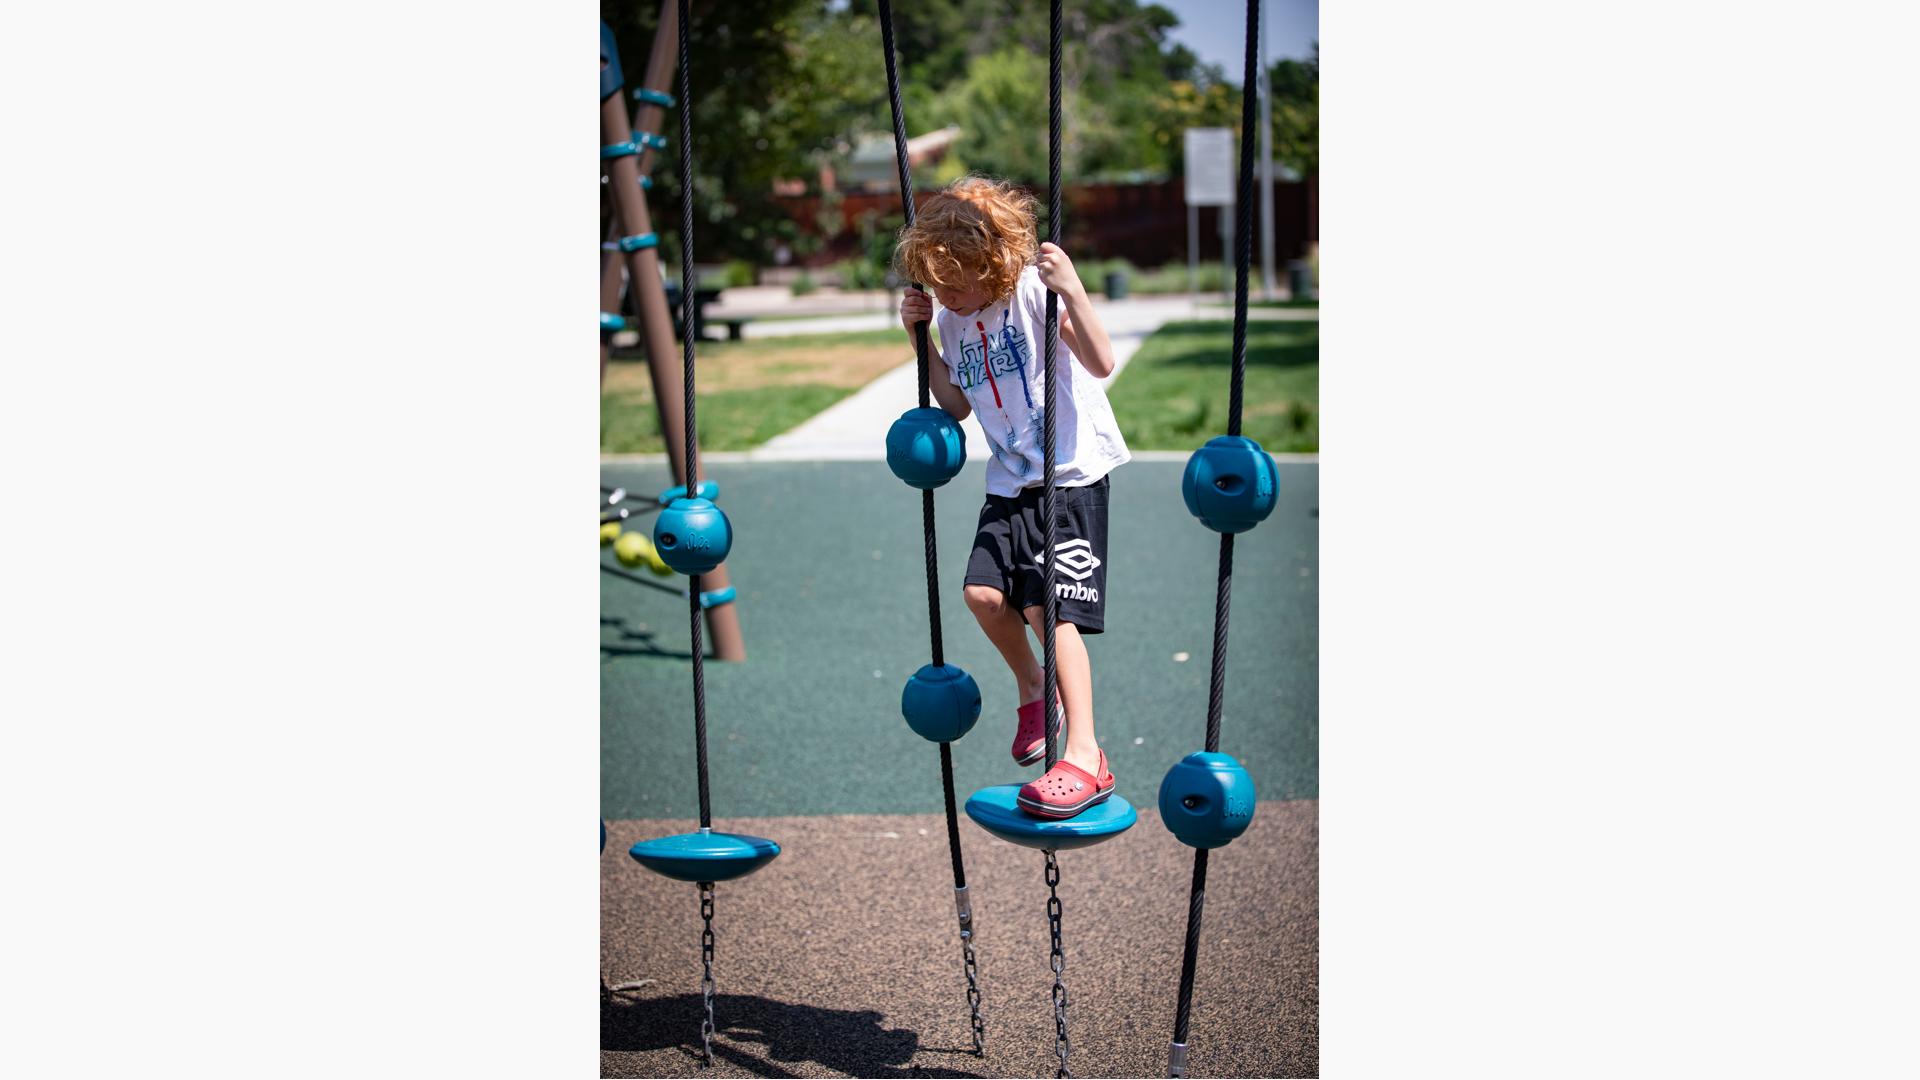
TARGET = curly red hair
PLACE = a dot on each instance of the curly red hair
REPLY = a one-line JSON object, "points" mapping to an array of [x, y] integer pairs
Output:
{"points": [[977, 233]]}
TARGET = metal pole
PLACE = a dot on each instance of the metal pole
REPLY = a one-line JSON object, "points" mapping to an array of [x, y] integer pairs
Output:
{"points": [[643, 266], [613, 276], [1266, 166], [650, 296], [1193, 253], [613, 268], [1226, 250]]}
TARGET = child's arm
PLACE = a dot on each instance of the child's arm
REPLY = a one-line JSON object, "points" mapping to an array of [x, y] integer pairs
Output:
{"points": [[1079, 326], [917, 307]]}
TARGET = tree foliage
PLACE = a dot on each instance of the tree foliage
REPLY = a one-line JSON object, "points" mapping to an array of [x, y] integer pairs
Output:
{"points": [[1294, 89], [782, 87]]}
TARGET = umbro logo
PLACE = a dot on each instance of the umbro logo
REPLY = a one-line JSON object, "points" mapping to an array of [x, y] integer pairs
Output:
{"points": [[1076, 559]]}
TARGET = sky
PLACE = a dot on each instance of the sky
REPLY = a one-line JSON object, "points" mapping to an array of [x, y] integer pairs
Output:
{"points": [[1216, 29]]}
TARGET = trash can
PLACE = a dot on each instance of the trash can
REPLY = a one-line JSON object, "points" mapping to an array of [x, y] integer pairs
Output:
{"points": [[1116, 285], [1300, 279]]}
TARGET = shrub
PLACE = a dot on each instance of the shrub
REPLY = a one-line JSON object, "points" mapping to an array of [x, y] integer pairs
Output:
{"points": [[1172, 278], [861, 274]]}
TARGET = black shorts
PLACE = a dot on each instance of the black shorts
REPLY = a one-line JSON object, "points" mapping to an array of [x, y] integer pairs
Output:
{"points": [[1011, 532]]}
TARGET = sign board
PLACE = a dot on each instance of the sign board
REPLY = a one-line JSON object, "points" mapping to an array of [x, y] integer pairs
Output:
{"points": [[1210, 178]]}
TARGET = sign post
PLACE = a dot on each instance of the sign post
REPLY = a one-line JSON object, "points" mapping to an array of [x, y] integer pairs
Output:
{"points": [[1209, 168], [1266, 167]]}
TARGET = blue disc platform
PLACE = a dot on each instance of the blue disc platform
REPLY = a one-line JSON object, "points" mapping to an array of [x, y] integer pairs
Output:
{"points": [[997, 810], [704, 856]]}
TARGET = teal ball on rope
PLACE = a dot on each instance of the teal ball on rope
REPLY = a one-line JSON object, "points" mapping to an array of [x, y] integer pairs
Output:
{"points": [[940, 702], [1206, 799], [1231, 484], [692, 536], [926, 447]]}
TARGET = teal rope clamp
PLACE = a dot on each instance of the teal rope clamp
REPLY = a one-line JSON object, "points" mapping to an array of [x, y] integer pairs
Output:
{"points": [[636, 243], [648, 138], [653, 97], [713, 598], [609, 321], [646, 183], [706, 489], [619, 149]]}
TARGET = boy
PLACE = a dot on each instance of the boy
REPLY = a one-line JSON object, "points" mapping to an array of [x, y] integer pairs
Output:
{"points": [[974, 245]]}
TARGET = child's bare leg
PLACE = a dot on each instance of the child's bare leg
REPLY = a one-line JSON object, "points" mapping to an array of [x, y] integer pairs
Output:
{"points": [[1009, 635], [1076, 688]]}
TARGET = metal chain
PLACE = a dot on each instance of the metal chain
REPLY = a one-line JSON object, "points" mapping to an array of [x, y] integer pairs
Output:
{"points": [[706, 963], [1059, 961], [973, 984]]}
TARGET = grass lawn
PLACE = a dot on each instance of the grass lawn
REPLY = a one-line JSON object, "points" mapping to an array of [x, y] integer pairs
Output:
{"points": [[1173, 393], [750, 391]]}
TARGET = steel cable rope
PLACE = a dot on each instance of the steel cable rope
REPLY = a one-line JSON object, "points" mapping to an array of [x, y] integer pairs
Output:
{"points": [[963, 905], [1217, 682]]}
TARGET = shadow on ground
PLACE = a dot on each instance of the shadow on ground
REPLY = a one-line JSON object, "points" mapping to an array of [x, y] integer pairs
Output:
{"points": [[841, 957], [631, 640], [856, 1043]]}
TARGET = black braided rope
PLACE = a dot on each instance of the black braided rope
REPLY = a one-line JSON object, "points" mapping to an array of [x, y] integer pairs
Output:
{"points": [[692, 478], [906, 193], [1047, 508], [933, 576], [1217, 683], [1243, 240], [1196, 900], [919, 329], [953, 823], [1052, 602], [687, 305], [926, 511], [1223, 591]]}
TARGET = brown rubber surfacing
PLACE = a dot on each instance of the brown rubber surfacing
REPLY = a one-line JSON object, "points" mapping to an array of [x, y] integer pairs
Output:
{"points": [[842, 956]]}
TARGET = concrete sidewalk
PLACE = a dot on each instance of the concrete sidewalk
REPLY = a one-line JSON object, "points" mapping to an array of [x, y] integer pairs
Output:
{"points": [[855, 429], [819, 324]]}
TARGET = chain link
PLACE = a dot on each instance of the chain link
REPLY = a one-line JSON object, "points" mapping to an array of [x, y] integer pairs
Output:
{"points": [[973, 985], [1058, 960], [706, 963]]}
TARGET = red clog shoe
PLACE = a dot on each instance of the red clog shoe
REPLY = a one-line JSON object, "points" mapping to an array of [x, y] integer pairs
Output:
{"points": [[1030, 740], [1066, 790]]}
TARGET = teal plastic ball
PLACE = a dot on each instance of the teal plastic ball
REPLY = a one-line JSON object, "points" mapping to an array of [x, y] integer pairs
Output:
{"points": [[1231, 484], [693, 536], [940, 703], [1206, 799], [926, 447]]}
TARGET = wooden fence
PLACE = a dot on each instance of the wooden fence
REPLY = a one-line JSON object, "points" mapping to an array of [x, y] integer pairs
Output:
{"points": [[1146, 224]]}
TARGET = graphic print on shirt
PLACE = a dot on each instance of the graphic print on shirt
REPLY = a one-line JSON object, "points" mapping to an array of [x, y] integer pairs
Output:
{"points": [[984, 357]]}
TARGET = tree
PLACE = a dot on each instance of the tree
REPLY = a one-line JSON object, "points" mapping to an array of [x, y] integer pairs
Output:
{"points": [[784, 86], [1003, 122], [776, 84], [1295, 86]]}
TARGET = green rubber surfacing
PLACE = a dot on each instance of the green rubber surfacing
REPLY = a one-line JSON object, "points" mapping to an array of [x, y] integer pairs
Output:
{"points": [[829, 564]]}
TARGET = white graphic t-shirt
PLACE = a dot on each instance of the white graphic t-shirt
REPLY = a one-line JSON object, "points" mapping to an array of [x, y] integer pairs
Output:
{"points": [[995, 356]]}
